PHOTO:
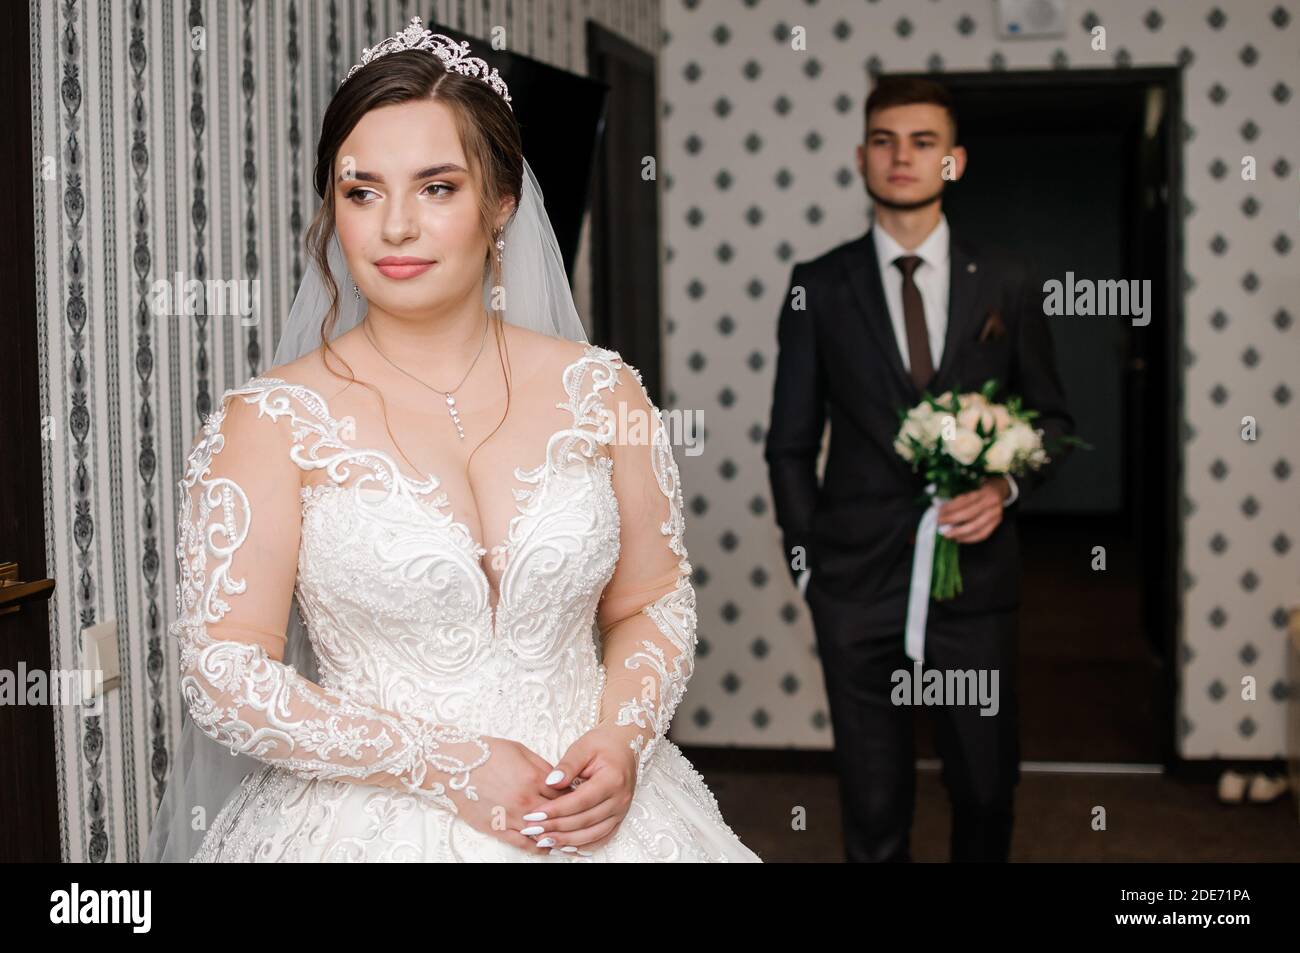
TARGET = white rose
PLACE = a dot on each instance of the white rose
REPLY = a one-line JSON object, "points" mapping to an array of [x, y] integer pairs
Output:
{"points": [[913, 430], [1023, 438], [932, 428], [922, 411], [903, 449], [1001, 418], [1000, 456], [964, 447], [973, 416]]}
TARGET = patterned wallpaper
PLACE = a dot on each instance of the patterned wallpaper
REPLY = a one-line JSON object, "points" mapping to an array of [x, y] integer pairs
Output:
{"points": [[178, 137], [758, 158]]}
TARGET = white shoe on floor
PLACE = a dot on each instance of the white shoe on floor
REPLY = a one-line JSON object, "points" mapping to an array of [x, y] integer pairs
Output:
{"points": [[1264, 789], [1232, 787]]}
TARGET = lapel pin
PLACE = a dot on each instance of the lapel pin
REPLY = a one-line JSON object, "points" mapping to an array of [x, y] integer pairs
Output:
{"points": [[971, 268]]}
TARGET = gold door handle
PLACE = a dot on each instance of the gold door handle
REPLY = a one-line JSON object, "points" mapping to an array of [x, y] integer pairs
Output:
{"points": [[14, 592]]}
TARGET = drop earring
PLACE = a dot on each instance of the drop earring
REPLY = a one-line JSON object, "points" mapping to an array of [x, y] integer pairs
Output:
{"points": [[355, 290], [501, 246]]}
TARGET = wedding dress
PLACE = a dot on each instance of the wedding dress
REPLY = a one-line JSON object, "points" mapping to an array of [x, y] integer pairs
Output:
{"points": [[294, 486]]}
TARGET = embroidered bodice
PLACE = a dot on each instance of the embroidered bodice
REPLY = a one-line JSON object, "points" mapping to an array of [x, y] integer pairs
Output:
{"points": [[583, 614]]}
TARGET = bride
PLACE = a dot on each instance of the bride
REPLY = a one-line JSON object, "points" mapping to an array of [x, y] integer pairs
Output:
{"points": [[423, 702]]}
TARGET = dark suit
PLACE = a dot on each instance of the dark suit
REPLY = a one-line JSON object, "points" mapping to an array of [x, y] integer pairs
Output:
{"points": [[839, 356]]}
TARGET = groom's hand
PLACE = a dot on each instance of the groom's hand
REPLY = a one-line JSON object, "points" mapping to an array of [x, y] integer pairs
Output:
{"points": [[973, 516]]}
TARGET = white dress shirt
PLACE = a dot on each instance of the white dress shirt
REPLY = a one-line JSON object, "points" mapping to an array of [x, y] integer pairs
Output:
{"points": [[931, 277]]}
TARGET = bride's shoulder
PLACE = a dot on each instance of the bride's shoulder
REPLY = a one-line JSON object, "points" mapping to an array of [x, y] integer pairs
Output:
{"points": [[304, 379], [620, 376], [540, 350], [309, 364], [554, 357], [604, 371], [308, 371], [284, 398], [585, 354], [587, 368]]}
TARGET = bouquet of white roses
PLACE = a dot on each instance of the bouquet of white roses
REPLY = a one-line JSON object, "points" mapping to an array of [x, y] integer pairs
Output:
{"points": [[958, 441]]}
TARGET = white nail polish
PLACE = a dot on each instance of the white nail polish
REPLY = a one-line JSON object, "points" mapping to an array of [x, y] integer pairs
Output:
{"points": [[546, 842], [532, 831], [568, 848], [535, 816], [554, 776]]}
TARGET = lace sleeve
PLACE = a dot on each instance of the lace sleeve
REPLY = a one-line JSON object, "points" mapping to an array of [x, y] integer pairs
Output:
{"points": [[239, 527], [646, 616]]}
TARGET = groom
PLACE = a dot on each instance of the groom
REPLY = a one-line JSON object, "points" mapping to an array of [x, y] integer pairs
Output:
{"points": [[865, 329]]}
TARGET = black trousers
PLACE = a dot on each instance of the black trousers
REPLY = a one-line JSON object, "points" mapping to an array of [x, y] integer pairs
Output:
{"points": [[874, 740]]}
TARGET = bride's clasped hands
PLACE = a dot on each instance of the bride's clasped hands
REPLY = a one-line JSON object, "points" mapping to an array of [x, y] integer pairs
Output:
{"points": [[577, 804], [504, 788], [598, 771]]}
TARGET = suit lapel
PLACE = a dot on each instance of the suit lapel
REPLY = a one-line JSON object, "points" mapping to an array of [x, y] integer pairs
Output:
{"points": [[964, 278], [863, 271]]}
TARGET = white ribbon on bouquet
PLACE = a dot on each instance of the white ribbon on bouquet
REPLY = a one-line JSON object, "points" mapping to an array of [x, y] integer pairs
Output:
{"points": [[918, 596]]}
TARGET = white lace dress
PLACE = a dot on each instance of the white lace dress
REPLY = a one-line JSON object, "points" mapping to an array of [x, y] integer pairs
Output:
{"points": [[416, 661]]}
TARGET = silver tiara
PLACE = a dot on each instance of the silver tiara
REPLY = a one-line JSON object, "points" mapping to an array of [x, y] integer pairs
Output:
{"points": [[454, 56]]}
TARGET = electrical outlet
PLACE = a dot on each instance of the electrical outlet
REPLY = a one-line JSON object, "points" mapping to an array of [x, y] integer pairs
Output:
{"points": [[99, 652]]}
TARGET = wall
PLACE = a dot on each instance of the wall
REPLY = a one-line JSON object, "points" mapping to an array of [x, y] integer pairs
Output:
{"points": [[759, 173]]}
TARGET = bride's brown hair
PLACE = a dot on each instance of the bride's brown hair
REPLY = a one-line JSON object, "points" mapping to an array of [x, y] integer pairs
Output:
{"points": [[488, 132]]}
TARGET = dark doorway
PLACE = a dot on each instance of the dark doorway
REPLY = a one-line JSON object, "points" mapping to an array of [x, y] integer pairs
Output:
{"points": [[625, 242], [1079, 171], [560, 117]]}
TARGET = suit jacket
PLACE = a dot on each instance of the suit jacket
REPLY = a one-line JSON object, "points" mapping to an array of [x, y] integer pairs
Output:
{"points": [[838, 357]]}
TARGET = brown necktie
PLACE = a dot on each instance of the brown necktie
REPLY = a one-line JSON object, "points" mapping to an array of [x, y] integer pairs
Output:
{"points": [[918, 339]]}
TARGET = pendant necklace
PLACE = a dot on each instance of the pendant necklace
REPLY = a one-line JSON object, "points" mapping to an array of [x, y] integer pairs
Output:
{"points": [[447, 395]]}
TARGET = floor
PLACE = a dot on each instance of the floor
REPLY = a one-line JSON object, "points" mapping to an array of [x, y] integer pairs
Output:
{"points": [[1148, 818]]}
